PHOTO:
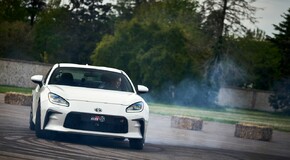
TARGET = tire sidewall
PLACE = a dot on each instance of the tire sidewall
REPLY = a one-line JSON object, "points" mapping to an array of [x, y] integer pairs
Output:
{"points": [[38, 131], [31, 124]]}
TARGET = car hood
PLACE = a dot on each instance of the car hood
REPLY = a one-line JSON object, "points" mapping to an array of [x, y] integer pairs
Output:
{"points": [[94, 95]]}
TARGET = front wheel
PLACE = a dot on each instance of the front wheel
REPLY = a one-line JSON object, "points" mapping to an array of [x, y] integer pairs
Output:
{"points": [[137, 143], [31, 124], [40, 133]]}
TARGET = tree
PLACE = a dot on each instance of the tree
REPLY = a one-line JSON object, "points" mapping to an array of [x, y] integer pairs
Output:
{"points": [[282, 41], [149, 54], [55, 36], [281, 97], [90, 11], [34, 7], [259, 59], [12, 10], [16, 40], [224, 17], [160, 47], [221, 19], [93, 19], [21, 10], [125, 9], [15, 34], [70, 33]]}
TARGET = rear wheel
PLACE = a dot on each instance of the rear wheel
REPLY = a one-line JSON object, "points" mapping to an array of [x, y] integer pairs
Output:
{"points": [[40, 133], [137, 143]]}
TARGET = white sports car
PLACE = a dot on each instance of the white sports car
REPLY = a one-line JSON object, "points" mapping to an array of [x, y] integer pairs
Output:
{"points": [[91, 100]]}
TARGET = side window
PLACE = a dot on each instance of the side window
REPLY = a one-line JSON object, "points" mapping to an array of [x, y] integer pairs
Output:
{"points": [[62, 76], [126, 85], [54, 77]]}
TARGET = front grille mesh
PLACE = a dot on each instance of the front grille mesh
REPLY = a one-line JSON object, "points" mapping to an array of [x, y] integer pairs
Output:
{"points": [[96, 122]]}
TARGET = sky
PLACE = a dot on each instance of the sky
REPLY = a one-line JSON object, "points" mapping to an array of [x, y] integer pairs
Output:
{"points": [[271, 14]]}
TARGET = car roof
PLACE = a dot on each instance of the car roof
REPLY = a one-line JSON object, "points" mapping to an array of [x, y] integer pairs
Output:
{"points": [[89, 66]]}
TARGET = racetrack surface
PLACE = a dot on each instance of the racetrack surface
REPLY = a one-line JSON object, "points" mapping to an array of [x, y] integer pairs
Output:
{"points": [[163, 142]]}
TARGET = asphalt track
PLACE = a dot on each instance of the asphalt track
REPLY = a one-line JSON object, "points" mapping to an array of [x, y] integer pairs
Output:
{"points": [[215, 142]]}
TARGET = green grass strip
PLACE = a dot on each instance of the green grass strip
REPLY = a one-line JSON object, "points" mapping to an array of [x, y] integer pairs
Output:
{"points": [[5, 89]]}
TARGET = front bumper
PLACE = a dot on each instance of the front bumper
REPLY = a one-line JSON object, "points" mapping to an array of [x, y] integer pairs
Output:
{"points": [[73, 120]]}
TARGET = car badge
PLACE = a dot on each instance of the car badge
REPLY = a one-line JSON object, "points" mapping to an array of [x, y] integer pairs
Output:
{"points": [[98, 110], [98, 118]]}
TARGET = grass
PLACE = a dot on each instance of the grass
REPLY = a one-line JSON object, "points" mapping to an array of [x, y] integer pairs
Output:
{"points": [[5, 89], [226, 115]]}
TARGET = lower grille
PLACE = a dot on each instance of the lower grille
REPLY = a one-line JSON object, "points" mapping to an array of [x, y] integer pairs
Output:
{"points": [[96, 122]]}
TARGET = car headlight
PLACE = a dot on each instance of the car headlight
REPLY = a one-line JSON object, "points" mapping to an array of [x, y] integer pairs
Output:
{"points": [[136, 107], [56, 99]]}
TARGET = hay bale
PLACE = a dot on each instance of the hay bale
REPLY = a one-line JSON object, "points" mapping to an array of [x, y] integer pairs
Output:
{"points": [[189, 123], [253, 131], [18, 99]]}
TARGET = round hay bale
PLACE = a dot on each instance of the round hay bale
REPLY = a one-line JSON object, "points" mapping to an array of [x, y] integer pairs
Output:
{"points": [[18, 99], [253, 131], [189, 123]]}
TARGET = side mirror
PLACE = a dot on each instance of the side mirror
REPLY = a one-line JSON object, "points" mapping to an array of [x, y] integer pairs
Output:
{"points": [[37, 79], [142, 89]]}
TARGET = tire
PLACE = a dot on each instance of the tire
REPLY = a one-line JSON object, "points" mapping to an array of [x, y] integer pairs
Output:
{"points": [[40, 133], [31, 124], [137, 144]]}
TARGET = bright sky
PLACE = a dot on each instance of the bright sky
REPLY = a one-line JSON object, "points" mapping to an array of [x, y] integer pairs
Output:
{"points": [[273, 9]]}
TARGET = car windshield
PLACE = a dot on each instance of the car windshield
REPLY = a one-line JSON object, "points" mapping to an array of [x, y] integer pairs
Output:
{"points": [[90, 78]]}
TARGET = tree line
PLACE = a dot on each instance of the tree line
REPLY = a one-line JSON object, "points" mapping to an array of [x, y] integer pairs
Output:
{"points": [[168, 45]]}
